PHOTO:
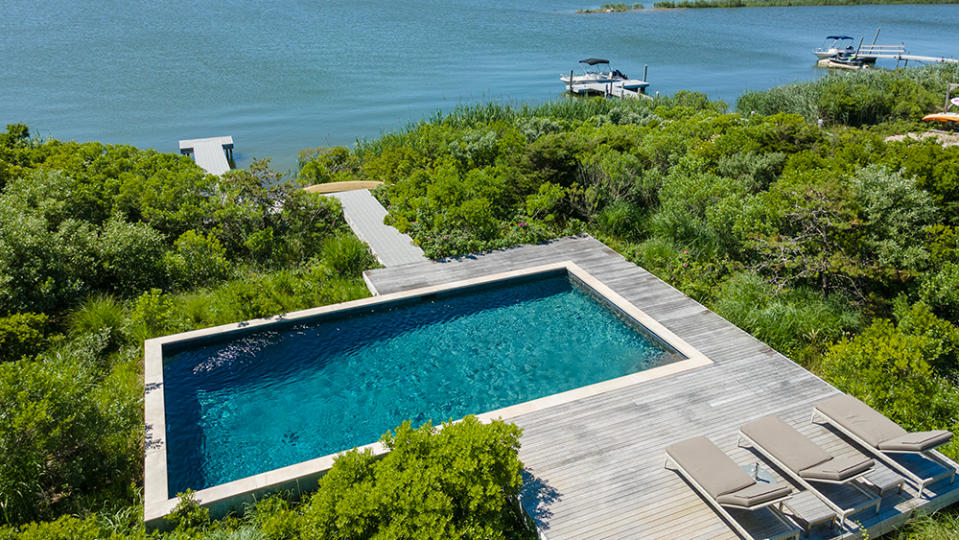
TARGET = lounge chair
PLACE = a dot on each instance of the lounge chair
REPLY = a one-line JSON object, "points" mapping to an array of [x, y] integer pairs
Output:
{"points": [[807, 462], [881, 436], [724, 484]]}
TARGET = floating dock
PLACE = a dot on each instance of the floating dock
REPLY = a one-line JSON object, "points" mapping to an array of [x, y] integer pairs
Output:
{"points": [[212, 154], [612, 89]]}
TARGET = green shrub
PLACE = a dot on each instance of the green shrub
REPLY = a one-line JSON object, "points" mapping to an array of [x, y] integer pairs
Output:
{"points": [[56, 439], [130, 257], [198, 260], [454, 483], [153, 315], [621, 219], [63, 528], [890, 369], [940, 289], [347, 255], [22, 334], [188, 515]]}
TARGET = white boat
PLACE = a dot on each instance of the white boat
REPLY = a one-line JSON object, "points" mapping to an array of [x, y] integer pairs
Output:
{"points": [[597, 72], [838, 52], [833, 46]]}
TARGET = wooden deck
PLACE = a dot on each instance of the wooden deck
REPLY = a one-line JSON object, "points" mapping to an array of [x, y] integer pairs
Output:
{"points": [[595, 466]]}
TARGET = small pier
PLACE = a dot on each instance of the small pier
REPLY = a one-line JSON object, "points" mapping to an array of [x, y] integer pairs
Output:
{"points": [[611, 89], [212, 154], [899, 54]]}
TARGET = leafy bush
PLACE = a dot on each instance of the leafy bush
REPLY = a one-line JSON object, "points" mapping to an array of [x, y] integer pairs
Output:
{"points": [[22, 334], [454, 483], [130, 257], [892, 369], [198, 260], [56, 443]]}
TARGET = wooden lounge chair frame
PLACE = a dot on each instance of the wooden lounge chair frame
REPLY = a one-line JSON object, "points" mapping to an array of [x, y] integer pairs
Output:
{"points": [[920, 482], [841, 512], [721, 509]]}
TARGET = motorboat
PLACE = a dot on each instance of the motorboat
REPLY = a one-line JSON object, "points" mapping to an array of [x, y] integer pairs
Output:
{"points": [[843, 60], [597, 72], [835, 45]]}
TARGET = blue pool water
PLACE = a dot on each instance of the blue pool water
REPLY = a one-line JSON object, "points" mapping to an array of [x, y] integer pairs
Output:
{"points": [[277, 397]]}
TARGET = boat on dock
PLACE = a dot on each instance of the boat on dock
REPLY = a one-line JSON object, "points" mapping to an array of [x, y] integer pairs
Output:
{"points": [[833, 46], [838, 52], [844, 60], [597, 72]]}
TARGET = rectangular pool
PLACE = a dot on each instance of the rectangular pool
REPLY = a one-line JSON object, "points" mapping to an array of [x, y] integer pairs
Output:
{"points": [[281, 395]]}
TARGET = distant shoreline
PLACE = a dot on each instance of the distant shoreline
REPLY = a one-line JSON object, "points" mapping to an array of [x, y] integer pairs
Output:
{"points": [[613, 8], [700, 4]]}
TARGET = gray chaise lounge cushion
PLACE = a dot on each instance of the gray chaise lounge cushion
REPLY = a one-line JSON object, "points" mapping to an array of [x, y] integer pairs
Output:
{"points": [[801, 455], [838, 469], [877, 430], [754, 495], [917, 441], [719, 475]]}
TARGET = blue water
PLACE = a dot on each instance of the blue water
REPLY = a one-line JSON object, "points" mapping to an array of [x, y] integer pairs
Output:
{"points": [[274, 398], [283, 76]]}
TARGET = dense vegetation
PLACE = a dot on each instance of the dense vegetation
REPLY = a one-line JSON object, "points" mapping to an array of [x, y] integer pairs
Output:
{"points": [[104, 246], [674, 4], [837, 247]]}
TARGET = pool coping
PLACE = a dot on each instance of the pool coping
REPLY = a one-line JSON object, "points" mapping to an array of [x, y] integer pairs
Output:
{"points": [[221, 497]]}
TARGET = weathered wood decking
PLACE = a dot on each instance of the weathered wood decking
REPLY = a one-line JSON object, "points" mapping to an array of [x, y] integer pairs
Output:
{"points": [[595, 466]]}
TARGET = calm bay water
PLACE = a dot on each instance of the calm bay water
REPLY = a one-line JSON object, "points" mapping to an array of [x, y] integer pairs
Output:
{"points": [[283, 76]]}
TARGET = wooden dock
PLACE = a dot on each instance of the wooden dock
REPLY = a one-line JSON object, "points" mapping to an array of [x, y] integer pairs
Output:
{"points": [[899, 54], [365, 216], [211, 154], [594, 467], [604, 89]]}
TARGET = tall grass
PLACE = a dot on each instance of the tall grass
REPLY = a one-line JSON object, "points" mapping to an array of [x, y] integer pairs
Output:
{"points": [[99, 313], [798, 323], [858, 98]]}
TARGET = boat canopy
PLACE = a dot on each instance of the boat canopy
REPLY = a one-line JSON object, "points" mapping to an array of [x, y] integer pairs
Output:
{"points": [[594, 61], [838, 37]]}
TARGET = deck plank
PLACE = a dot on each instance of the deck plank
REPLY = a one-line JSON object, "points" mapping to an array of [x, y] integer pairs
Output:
{"points": [[595, 465]]}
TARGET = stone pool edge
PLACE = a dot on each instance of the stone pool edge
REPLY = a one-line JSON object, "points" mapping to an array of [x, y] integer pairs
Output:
{"points": [[303, 476]]}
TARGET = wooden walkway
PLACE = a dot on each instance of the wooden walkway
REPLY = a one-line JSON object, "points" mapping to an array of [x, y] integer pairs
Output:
{"points": [[210, 154], [594, 467], [365, 216]]}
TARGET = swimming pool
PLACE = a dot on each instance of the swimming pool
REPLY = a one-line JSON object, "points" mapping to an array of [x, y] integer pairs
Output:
{"points": [[235, 409], [276, 397]]}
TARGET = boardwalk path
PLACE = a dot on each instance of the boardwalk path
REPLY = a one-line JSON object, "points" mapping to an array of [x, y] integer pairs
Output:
{"points": [[365, 216]]}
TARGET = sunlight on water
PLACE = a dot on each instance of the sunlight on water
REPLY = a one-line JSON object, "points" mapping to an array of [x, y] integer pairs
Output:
{"points": [[283, 76]]}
